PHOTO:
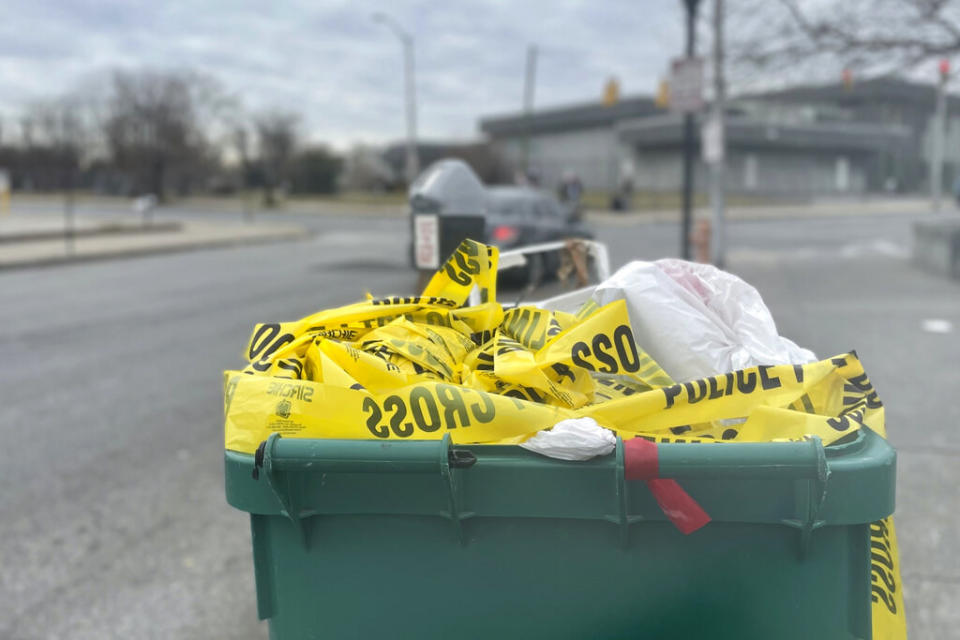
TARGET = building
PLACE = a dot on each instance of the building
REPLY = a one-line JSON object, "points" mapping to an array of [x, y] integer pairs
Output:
{"points": [[799, 142], [582, 138], [890, 102]]}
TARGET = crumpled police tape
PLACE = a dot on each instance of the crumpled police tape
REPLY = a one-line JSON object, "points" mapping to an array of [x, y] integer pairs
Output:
{"points": [[424, 366]]}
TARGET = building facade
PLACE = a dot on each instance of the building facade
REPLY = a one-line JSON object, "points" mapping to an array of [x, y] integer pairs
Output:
{"points": [[798, 143]]}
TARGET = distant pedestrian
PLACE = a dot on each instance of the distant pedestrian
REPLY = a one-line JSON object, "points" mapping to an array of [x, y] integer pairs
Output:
{"points": [[533, 177], [570, 193], [570, 188]]}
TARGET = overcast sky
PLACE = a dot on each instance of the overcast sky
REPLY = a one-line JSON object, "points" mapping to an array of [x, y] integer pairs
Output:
{"points": [[331, 62]]}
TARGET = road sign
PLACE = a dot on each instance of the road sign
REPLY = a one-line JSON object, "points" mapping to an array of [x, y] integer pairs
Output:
{"points": [[711, 140], [686, 85], [4, 192], [426, 241]]}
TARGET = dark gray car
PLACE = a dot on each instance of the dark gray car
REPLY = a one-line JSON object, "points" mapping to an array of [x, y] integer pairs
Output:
{"points": [[506, 216], [520, 216]]}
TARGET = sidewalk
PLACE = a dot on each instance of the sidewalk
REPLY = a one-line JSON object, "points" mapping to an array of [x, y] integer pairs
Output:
{"points": [[40, 240], [817, 209]]}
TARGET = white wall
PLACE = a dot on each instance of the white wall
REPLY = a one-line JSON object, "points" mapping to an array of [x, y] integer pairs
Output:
{"points": [[592, 154], [773, 172]]}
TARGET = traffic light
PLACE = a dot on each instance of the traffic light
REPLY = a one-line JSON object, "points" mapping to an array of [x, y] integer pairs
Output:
{"points": [[663, 95], [847, 79], [611, 92]]}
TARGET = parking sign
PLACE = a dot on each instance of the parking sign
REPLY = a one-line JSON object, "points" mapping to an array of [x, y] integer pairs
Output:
{"points": [[426, 241], [686, 85]]}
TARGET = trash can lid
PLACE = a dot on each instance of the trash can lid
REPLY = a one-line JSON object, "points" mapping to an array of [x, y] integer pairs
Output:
{"points": [[449, 187]]}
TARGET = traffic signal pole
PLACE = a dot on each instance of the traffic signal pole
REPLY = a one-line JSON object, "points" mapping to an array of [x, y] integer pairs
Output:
{"points": [[717, 199], [938, 138], [687, 193]]}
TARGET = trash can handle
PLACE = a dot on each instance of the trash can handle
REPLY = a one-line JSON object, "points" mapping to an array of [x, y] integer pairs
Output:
{"points": [[278, 455], [359, 456], [799, 459]]}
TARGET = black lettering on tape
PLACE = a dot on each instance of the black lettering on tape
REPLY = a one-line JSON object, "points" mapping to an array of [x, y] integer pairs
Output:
{"points": [[729, 388], [563, 371], [453, 406], [601, 341], [395, 404], [766, 380], [798, 372], [715, 390], [884, 577], [292, 364], [879, 594], [626, 349], [840, 424], [882, 554], [487, 412], [457, 276], [528, 337], [670, 393], [421, 398], [699, 394], [373, 422], [578, 352], [746, 381], [264, 334]]}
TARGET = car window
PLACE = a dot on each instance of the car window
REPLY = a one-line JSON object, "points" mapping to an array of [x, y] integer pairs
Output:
{"points": [[545, 210], [509, 207]]}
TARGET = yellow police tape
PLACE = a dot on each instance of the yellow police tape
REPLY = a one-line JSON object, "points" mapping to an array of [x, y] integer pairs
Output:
{"points": [[424, 366]]}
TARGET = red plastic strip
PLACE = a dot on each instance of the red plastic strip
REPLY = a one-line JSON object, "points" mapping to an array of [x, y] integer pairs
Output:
{"points": [[641, 462]]}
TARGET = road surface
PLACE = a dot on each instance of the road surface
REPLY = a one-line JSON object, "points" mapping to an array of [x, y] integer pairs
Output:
{"points": [[113, 522]]}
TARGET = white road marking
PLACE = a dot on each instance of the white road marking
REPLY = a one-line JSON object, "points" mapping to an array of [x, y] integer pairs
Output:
{"points": [[851, 251], [936, 325]]}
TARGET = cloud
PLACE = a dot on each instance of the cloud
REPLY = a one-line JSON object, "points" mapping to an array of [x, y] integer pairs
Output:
{"points": [[331, 62]]}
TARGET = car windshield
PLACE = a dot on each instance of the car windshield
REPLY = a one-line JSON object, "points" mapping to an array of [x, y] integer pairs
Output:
{"points": [[511, 207], [515, 203]]}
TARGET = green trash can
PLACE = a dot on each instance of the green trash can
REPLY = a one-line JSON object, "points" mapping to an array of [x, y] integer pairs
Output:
{"points": [[373, 539]]}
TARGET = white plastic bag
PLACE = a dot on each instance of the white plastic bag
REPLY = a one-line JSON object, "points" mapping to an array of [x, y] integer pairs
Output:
{"points": [[696, 320], [574, 439]]}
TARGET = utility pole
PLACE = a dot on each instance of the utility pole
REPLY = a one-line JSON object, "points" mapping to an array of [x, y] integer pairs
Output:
{"points": [[717, 195], [529, 85], [69, 230], [937, 137], [412, 164], [687, 194]]}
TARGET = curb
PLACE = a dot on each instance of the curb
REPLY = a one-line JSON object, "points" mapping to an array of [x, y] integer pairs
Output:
{"points": [[104, 230], [54, 261]]}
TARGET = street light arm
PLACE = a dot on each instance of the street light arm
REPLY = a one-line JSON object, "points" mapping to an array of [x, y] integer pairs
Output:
{"points": [[391, 23], [412, 166]]}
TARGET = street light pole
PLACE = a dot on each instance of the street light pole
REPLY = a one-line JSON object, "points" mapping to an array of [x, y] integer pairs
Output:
{"points": [[412, 164], [687, 195], [937, 139], [529, 85]]}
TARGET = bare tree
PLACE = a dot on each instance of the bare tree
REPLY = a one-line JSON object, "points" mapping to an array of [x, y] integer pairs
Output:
{"points": [[160, 127], [808, 39], [277, 133], [60, 128]]}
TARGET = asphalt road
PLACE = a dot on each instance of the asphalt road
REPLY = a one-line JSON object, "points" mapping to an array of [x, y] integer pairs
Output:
{"points": [[113, 522]]}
